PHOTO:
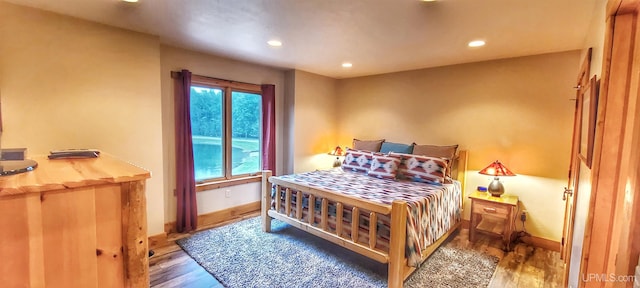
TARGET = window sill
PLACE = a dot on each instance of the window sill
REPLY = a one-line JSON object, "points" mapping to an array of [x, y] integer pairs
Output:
{"points": [[227, 183]]}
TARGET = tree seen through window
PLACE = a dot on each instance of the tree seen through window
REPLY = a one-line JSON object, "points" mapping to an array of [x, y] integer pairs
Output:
{"points": [[208, 126]]}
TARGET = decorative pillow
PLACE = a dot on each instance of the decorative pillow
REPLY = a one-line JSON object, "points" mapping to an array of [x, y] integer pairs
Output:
{"points": [[448, 152], [403, 157], [368, 145], [384, 166], [423, 169], [357, 161], [396, 147]]}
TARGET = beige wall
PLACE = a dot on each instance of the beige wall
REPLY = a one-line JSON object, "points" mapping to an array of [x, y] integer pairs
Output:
{"points": [[515, 110], [68, 83], [288, 117], [595, 38], [175, 59], [314, 121]]}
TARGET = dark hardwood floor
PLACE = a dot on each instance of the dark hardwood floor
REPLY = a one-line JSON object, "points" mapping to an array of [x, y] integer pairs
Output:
{"points": [[172, 267]]}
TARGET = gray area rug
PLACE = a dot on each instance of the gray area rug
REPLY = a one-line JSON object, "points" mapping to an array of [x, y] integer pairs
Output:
{"points": [[241, 255]]}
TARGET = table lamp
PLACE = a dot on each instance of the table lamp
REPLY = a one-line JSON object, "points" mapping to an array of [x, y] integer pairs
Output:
{"points": [[496, 169], [337, 152]]}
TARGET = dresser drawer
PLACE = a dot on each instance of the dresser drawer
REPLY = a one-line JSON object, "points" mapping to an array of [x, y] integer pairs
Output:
{"points": [[489, 208]]}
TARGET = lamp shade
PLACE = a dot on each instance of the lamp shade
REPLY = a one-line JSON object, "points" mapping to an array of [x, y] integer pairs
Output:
{"points": [[337, 151], [497, 169]]}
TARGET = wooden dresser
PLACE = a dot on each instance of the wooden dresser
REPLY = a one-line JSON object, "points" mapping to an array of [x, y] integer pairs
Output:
{"points": [[74, 223]]}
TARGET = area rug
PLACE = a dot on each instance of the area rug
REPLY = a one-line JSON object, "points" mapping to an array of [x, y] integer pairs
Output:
{"points": [[241, 255]]}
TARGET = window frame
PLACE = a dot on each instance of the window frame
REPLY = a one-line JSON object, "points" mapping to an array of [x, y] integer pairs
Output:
{"points": [[228, 87]]}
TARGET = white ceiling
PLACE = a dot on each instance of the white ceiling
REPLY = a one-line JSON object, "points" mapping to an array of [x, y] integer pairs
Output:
{"points": [[377, 36]]}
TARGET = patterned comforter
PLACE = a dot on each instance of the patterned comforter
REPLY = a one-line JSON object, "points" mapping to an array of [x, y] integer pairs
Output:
{"points": [[432, 209]]}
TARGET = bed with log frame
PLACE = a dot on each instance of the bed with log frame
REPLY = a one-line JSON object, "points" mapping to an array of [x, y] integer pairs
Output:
{"points": [[329, 220]]}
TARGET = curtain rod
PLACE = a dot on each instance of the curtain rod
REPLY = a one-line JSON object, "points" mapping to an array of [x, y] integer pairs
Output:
{"points": [[176, 74]]}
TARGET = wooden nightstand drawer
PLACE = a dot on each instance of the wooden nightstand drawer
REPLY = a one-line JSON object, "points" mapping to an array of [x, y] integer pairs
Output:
{"points": [[497, 210]]}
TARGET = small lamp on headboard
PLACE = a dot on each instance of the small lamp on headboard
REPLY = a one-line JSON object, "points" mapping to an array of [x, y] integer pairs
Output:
{"points": [[337, 152], [496, 169]]}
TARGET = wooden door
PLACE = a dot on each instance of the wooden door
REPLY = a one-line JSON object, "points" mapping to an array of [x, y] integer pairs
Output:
{"points": [[571, 191]]}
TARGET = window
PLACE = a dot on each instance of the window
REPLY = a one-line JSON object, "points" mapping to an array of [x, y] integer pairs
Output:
{"points": [[226, 128]]}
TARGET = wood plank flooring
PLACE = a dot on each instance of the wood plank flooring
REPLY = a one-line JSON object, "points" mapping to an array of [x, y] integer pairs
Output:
{"points": [[172, 267], [541, 269]]}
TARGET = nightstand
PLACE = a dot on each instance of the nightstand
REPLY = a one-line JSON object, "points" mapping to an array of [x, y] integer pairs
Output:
{"points": [[493, 216]]}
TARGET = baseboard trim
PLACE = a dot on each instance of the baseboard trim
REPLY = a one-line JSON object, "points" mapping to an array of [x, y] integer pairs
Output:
{"points": [[169, 227], [158, 240], [216, 217], [535, 241], [545, 243]]}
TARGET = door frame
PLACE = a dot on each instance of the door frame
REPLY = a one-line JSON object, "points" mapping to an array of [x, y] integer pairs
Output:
{"points": [[612, 231]]}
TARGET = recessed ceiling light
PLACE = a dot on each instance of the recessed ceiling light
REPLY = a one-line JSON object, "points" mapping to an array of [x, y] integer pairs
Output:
{"points": [[130, 1], [476, 43], [274, 43], [347, 65]]}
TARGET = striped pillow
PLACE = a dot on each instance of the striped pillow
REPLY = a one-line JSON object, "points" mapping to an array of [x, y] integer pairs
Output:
{"points": [[384, 166], [423, 168], [357, 161]]}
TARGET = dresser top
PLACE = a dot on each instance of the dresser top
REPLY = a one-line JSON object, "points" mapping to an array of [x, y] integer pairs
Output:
{"points": [[70, 173]]}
